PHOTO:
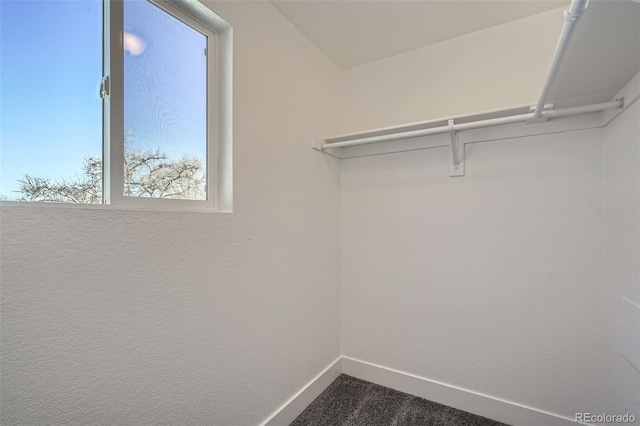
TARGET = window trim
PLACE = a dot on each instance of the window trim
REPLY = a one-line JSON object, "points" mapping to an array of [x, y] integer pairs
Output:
{"points": [[224, 77], [219, 123]]}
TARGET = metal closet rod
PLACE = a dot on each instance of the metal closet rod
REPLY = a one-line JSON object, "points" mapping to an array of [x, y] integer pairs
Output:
{"points": [[571, 15], [571, 18], [618, 103]]}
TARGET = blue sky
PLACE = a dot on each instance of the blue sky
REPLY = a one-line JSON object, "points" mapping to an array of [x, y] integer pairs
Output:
{"points": [[165, 82], [51, 67], [51, 114]]}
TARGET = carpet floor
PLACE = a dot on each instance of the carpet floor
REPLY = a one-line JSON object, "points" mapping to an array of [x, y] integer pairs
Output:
{"points": [[353, 402]]}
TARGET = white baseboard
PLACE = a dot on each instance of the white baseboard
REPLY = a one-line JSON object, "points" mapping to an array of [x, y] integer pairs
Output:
{"points": [[291, 409], [462, 399]]}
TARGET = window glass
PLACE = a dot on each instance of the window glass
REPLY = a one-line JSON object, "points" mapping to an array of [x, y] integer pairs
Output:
{"points": [[165, 105], [51, 120]]}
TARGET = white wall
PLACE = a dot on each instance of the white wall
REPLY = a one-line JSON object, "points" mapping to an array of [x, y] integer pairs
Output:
{"points": [[622, 259], [136, 317], [490, 282], [494, 68], [493, 281]]}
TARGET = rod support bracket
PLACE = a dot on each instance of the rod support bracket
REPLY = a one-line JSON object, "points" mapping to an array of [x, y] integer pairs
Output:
{"points": [[542, 118], [456, 168], [317, 143]]}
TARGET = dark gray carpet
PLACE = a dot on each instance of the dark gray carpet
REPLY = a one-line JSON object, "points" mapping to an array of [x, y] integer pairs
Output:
{"points": [[353, 402]]}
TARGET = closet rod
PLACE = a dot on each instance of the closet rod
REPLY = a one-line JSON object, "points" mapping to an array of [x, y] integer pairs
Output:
{"points": [[571, 17], [618, 103]]}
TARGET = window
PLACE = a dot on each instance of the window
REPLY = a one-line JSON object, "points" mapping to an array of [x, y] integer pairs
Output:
{"points": [[116, 102]]}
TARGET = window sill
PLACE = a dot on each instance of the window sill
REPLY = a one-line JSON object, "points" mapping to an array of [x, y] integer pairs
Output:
{"points": [[112, 207]]}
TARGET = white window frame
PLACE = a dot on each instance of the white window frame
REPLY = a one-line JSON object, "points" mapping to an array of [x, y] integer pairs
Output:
{"points": [[219, 109], [219, 125]]}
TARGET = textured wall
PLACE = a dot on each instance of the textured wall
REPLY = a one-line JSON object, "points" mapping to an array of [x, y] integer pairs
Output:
{"points": [[622, 259], [490, 282], [137, 317]]}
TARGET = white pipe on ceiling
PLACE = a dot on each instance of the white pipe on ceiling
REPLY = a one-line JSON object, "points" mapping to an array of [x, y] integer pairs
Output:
{"points": [[571, 18]]}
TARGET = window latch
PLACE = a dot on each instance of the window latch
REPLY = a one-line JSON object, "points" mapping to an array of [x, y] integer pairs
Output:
{"points": [[105, 87]]}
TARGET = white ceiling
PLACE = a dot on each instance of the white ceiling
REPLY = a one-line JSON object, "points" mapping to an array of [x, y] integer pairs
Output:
{"points": [[352, 33], [604, 54]]}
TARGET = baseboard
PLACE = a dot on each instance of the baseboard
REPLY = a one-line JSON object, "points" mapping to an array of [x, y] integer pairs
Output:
{"points": [[462, 399], [297, 403]]}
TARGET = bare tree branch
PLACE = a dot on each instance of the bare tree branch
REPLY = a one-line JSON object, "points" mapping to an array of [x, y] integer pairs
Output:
{"points": [[147, 174]]}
